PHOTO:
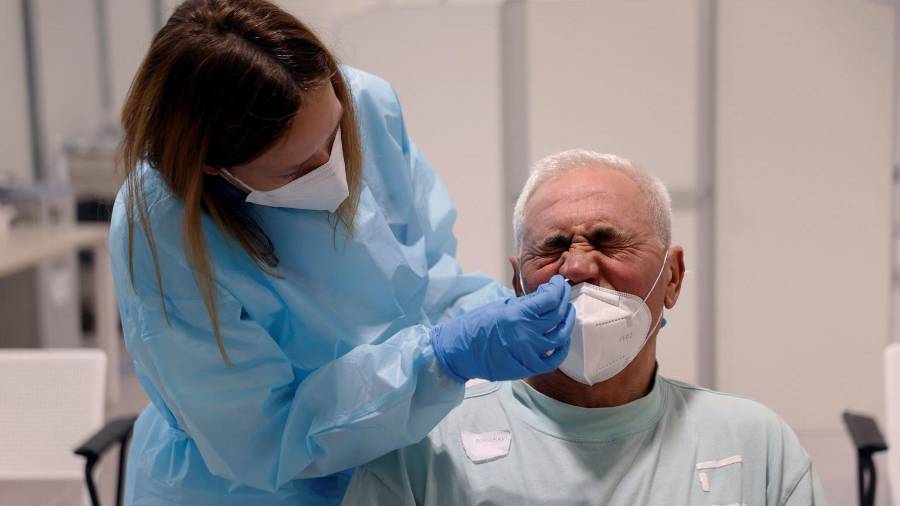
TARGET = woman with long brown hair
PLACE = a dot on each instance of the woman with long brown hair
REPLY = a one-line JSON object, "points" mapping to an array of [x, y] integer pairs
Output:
{"points": [[284, 264]]}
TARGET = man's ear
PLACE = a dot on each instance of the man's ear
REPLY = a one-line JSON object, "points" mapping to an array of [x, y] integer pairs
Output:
{"points": [[514, 262], [211, 171], [675, 267]]}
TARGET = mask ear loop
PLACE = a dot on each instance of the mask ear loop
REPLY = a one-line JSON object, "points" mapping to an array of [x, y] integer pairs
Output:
{"points": [[521, 282], [231, 178], [658, 275]]}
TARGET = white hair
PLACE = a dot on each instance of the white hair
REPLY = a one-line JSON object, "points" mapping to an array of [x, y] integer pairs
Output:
{"points": [[659, 203]]}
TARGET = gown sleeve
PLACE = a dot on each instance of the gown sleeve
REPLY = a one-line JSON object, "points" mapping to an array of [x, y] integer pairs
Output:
{"points": [[260, 422]]}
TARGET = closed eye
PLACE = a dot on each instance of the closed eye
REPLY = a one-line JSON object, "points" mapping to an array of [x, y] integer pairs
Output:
{"points": [[303, 168], [607, 238], [556, 243]]}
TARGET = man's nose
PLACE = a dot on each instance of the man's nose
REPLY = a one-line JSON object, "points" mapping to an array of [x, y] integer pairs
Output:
{"points": [[580, 267]]}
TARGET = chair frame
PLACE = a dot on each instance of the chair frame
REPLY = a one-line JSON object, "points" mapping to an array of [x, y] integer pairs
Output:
{"points": [[116, 431], [867, 440]]}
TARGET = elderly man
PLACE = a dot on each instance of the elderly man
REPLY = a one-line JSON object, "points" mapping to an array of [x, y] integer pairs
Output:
{"points": [[603, 429]]}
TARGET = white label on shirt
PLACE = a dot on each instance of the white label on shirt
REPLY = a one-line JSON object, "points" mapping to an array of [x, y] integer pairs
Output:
{"points": [[485, 446], [715, 464], [704, 482]]}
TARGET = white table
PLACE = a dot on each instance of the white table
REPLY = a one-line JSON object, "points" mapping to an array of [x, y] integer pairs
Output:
{"points": [[27, 246]]}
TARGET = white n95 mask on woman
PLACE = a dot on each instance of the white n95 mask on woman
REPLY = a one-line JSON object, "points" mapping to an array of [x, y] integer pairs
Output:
{"points": [[611, 328], [323, 189]]}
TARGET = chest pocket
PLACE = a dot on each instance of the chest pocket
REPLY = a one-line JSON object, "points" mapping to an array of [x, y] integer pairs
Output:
{"points": [[721, 481]]}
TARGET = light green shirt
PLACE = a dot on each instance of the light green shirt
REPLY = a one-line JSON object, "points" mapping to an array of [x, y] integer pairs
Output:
{"points": [[508, 444]]}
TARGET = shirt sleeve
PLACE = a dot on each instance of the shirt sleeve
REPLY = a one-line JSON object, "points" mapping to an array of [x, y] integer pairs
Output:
{"points": [[807, 491], [791, 477]]}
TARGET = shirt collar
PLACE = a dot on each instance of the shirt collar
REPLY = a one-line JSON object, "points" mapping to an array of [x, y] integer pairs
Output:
{"points": [[575, 423]]}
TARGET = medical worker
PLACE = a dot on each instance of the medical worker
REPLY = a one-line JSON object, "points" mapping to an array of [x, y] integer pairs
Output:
{"points": [[284, 263]]}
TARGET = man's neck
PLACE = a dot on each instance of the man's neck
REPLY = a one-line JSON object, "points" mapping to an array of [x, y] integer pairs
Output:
{"points": [[634, 382]]}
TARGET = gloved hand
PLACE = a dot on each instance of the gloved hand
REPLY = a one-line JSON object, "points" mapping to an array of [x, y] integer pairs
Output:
{"points": [[508, 339]]}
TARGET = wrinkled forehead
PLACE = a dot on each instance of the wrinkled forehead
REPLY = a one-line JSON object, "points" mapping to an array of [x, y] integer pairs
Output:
{"points": [[587, 197]]}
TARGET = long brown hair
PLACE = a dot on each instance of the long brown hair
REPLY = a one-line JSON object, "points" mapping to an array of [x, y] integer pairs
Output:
{"points": [[221, 84]]}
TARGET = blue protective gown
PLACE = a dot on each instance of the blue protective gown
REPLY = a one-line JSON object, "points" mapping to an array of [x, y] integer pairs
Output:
{"points": [[333, 365]]}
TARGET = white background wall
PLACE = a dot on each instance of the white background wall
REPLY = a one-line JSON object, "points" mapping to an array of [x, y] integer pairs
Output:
{"points": [[66, 42], [450, 92], [68, 69], [803, 133], [15, 147], [805, 154], [805, 130], [130, 25]]}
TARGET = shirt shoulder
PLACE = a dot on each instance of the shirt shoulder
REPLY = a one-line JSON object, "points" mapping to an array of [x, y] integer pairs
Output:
{"points": [[717, 413], [719, 407], [722, 420]]}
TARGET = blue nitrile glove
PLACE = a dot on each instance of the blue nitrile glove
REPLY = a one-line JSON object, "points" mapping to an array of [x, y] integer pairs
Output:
{"points": [[508, 339]]}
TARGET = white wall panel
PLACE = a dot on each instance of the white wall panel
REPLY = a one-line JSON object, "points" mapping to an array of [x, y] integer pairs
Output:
{"points": [[68, 71], [617, 76], [804, 189], [131, 28], [323, 17], [676, 344], [444, 63], [15, 139]]}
